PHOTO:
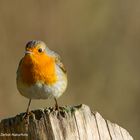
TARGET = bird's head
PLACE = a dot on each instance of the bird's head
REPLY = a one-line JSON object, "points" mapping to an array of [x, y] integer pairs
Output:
{"points": [[36, 51], [35, 47]]}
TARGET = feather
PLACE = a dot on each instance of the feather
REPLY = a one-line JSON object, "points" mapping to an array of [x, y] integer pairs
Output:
{"points": [[57, 59]]}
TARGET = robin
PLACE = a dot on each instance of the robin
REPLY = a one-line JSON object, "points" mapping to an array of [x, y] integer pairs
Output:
{"points": [[41, 74]]}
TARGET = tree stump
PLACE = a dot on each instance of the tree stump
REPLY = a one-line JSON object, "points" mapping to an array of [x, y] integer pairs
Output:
{"points": [[70, 123]]}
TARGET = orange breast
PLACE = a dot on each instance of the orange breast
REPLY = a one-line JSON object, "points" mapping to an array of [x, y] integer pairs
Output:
{"points": [[38, 68]]}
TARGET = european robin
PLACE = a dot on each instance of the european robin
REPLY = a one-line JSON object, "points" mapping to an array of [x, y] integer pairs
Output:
{"points": [[41, 74]]}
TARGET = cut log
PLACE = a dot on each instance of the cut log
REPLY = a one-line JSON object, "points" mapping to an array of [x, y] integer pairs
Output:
{"points": [[70, 123]]}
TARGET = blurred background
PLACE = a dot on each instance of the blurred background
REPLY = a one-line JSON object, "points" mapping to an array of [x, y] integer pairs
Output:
{"points": [[99, 42]]}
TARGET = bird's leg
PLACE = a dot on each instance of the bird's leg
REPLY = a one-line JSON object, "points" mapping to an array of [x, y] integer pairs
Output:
{"points": [[27, 111], [57, 107], [27, 114], [56, 104]]}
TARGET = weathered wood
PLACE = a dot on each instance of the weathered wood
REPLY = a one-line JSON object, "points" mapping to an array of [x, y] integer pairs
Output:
{"points": [[71, 123]]}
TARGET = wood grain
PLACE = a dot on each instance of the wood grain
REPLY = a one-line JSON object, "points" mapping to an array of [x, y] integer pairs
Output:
{"points": [[70, 123]]}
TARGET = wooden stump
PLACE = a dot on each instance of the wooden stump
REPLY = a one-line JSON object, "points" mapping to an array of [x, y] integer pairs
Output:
{"points": [[71, 123]]}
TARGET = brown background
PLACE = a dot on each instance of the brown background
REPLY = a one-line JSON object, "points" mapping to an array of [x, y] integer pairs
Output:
{"points": [[99, 42]]}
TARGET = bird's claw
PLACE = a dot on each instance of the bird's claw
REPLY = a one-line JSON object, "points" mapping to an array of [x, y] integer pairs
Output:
{"points": [[26, 117]]}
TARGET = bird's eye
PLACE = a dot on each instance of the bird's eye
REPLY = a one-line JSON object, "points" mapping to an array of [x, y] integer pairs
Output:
{"points": [[40, 50]]}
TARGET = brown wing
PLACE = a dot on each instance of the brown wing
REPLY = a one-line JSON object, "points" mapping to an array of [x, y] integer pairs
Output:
{"points": [[60, 64]]}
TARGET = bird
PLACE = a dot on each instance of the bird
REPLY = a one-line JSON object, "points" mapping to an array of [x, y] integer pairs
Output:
{"points": [[41, 73]]}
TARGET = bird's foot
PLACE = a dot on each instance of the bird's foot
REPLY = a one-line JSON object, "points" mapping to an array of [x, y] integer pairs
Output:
{"points": [[56, 108], [26, 117]]}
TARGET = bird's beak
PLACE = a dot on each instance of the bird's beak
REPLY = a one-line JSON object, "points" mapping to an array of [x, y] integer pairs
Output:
{"points": [[28, 52]]}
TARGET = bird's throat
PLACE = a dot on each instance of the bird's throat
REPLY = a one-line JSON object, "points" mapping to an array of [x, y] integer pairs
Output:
{"points": [[38, 69]]}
